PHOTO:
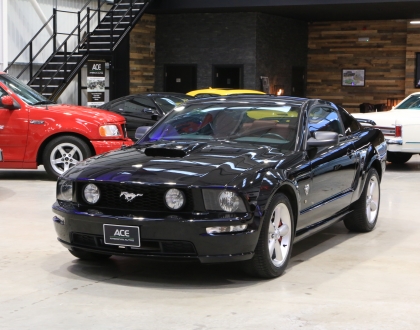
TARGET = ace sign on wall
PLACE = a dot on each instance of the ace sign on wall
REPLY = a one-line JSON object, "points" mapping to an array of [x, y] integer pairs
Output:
{"points": [[95, 83]]}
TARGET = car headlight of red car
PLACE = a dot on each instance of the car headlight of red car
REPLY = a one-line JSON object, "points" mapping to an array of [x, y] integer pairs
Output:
{"points": [[109, 130]]}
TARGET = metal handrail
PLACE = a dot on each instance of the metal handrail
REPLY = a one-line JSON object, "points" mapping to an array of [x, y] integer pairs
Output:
{"points": [[84, 22], [53, 37]]}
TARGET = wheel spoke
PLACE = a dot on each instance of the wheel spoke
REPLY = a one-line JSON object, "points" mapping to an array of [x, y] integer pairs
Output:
{"points": [[276, 222], [271, 247], [372, 187], [72, 152], [66, 167], [373, 205], [279, 251], [57, 161], [61, 150]]}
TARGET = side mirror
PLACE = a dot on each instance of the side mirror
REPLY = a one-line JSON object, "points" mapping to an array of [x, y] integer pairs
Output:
{"points": [[141, 131], [323, 139], [8, 102]]}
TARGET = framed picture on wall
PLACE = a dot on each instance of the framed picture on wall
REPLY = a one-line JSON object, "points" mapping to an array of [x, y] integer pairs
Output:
{"points": [[353, 77], [417, 73]]}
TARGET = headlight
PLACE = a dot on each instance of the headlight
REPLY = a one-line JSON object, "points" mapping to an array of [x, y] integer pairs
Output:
{"points": [[174, 199], [91, 193], [109, 130], [229, 201], [65, 190], [225, 200]]}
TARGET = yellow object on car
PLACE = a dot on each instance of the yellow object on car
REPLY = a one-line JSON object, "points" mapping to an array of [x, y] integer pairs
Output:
{"points": [[209, 92]]}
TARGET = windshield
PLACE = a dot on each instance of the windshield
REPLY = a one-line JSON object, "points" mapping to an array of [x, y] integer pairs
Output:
{"points": [[27, 94], [413, 103], [264, 124]]}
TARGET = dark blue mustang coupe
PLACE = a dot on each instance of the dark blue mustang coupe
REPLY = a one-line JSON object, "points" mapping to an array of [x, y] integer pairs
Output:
{"points": [[225, 179]]}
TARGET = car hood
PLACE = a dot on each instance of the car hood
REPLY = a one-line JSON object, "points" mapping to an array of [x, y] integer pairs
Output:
{"points": [[85, 113], [388, 118], [209, 163]]}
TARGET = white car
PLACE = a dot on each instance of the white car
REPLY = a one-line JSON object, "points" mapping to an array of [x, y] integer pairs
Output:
{"points": [[400, 126]]}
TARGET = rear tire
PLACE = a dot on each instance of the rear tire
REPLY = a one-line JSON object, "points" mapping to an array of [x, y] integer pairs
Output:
{"points": [[63, 153], [398, 157], [90, 256], [366, 209], [274, 245]]}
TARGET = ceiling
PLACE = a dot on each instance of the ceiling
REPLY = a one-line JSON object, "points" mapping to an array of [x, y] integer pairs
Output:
{"points": [[307, 10]]}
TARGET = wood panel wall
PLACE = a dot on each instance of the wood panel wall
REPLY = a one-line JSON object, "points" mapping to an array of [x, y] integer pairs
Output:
{"points": [[334, 46], [142, 55], [413, 47]]}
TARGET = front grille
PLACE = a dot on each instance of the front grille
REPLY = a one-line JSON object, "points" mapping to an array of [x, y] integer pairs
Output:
{"points": [[124, 129], [148, 247], [151, 199]]}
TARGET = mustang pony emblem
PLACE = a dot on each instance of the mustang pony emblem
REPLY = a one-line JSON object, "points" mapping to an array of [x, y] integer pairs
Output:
{"points": [[128, 196]]}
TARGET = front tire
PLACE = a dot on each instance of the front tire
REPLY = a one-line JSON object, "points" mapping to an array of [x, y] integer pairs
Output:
{"points": [[63, 153], [89, 256], [398, 157], [366, 209], [274, 245]]}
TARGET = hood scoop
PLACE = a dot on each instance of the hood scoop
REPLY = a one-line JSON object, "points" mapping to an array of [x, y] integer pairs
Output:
{"points": [[173, 150]]}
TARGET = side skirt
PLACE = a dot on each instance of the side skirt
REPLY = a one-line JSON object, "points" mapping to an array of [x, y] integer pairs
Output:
{"points": [[316, 227]]}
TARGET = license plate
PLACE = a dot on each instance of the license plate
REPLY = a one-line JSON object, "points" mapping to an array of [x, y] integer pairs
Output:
{"points": [[122, 235]]}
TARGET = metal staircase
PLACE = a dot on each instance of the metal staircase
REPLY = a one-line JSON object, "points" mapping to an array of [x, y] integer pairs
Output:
{"points": [[84, 41]]}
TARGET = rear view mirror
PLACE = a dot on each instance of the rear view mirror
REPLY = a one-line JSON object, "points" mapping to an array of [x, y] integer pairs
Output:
{"points": [[141, 131], [8, 103], [323, 139]]}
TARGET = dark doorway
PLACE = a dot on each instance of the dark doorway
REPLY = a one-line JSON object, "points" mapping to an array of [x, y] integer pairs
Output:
{"points": [[180, 78], [298, 81], [228, 76]]}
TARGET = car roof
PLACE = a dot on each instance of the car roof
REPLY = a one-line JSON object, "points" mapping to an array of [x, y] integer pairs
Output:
{"points": [[272, 99], [223, 91]]}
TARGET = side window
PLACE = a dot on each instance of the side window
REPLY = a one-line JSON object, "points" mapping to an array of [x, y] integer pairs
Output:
{"points": [[2, 93], [144, 102], [118, 107], [324, 119], [351, 125]]}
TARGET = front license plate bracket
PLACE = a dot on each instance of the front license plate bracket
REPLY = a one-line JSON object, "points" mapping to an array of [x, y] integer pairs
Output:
{"points": [[122, 235]]}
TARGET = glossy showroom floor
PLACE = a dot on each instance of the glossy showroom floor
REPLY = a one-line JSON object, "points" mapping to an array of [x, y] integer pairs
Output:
{"points": [[336, 279]]}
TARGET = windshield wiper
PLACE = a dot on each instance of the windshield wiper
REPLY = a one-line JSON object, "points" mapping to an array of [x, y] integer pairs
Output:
{"points": [[44, 102]]}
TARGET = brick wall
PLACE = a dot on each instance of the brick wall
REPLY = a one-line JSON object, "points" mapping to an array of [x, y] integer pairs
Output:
{"points": [[142, 55]]}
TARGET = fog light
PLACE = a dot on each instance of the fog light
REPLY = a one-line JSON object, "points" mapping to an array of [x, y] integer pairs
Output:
{"points": [[225, 229]]}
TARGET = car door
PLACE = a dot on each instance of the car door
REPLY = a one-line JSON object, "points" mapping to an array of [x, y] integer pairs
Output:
{"points": [[138, 111], [333, 168], [13, 132]]}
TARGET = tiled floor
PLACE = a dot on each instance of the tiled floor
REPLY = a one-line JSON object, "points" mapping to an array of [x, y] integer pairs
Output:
{"points": [[335, 280]]}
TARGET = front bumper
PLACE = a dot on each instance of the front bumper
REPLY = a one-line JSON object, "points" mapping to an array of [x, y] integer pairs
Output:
{"points": [[160, 237], [102, 146]]}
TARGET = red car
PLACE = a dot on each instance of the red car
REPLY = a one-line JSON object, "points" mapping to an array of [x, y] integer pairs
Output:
{"points": [[35, 131]]}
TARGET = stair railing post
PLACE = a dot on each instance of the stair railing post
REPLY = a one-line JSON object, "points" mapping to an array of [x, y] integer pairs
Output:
{"points": [[54, 29], [65, 61], [78, 30], [112, 30], [131, 12], [30, 60], [88, 28], [99, 11]]}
